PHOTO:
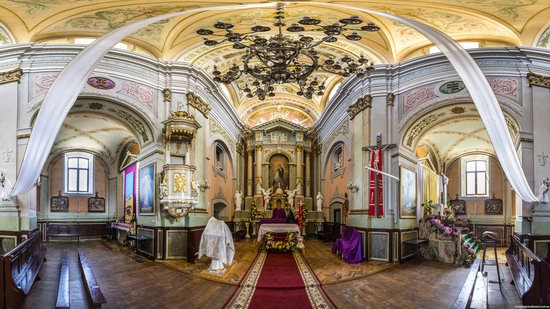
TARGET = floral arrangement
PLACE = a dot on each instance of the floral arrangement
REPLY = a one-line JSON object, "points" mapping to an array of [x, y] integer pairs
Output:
{"points": [[446, 226], [280, 244], [301, 215], [255, 215]]}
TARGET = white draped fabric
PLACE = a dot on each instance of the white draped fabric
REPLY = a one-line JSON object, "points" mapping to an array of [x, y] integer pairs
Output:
{"points": [[64, 91], [217, 242]]}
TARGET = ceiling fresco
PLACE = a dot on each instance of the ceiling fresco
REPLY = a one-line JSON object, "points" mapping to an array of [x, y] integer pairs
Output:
{"points": [[497, 22]]}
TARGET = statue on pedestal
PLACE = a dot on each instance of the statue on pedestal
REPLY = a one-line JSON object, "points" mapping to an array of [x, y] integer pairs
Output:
{"points": [[238, 200], [319, 199], [267, 195]]}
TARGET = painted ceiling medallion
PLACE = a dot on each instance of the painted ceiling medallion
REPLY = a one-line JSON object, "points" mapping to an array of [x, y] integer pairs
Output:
{"points": [[287, 58], [458, 110], [102, 83], [451, 87]]}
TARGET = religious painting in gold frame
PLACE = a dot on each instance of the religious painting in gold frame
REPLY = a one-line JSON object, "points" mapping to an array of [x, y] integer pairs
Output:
{"points": [[407, 193]]}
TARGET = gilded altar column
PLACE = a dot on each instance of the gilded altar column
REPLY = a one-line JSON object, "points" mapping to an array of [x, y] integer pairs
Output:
{"points": [[259, 160], [250, 179], [308, 172], [299, 176]]}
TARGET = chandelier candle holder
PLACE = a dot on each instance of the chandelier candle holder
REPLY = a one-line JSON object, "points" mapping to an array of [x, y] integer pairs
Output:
{"points": [[288, 58]]}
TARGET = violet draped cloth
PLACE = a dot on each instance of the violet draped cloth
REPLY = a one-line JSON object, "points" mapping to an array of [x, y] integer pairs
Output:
{"points": [[349, 244], [279, 216]]}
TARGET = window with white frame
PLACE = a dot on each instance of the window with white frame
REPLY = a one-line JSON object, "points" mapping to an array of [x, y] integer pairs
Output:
{"points": [[475, 176], [79, 173]]}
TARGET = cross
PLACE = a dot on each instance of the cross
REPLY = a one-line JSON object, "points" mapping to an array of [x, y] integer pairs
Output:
{"points": [[542, 159], [377, 183], [7, 154]]}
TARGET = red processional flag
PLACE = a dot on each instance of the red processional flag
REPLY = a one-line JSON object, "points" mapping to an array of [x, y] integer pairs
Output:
{"points": [[376, 163]]}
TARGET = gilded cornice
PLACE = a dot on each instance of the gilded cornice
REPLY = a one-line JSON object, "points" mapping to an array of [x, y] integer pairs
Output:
{"points": [[11, 76], [359, 106], [198, 103], [538, 80]]}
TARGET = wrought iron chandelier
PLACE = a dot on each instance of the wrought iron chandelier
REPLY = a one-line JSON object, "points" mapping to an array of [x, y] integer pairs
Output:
{"points": [[288, 59]]}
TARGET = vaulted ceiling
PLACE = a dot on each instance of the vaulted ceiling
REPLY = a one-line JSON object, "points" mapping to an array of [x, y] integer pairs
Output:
{"points": [[490, 22]]}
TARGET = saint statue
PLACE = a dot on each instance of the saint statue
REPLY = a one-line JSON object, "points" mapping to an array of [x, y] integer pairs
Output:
{"points": [[279, 176], [319, 202], [238, 200], [5, 188], [543, 195], [290, 197]]}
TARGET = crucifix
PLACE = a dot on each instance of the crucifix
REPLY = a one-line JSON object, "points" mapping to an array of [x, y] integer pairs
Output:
{"points": [[375, 166]]}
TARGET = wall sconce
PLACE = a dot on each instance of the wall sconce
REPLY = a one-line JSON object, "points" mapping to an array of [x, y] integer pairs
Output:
{"points": [[204, 186], [353, 188]]}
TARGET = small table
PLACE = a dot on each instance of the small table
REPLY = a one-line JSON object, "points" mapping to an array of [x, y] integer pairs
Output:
{"points": [[137, 239], [417, 242]]}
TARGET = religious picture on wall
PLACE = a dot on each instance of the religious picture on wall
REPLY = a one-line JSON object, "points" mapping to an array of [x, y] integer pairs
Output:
{"points": [[146, 189], [59, 203], [494, 206], [458, 205], [408, 193], [96, 204], [278, 171], [129, 193]]}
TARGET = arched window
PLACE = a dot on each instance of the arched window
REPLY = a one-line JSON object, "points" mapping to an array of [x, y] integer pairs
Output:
{"points": [[79, 173], [220, 160], [337, 161]]}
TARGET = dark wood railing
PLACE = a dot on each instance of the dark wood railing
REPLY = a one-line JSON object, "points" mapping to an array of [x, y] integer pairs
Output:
{"points": [[18, 270], [464, 298], [531, 274]]}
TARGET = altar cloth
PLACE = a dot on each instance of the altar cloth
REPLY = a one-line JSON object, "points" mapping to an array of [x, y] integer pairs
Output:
{"points": [[278, 228]]}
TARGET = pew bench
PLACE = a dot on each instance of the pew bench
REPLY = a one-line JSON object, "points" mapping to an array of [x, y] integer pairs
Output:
{"points": [[63, 296], [95, 297]]}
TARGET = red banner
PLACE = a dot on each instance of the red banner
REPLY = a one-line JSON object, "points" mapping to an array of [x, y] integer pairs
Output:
{"points": [[376, 163]]}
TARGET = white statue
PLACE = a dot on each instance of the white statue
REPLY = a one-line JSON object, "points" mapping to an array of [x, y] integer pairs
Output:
{"points": [[5, 188], [319, 202], [290, 197], [543, 195], [267, 195], [238, 200], [259, 187], [299, 187]]}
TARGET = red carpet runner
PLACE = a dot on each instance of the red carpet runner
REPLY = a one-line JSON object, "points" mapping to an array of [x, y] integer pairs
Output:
{"points": [[279, 280]]}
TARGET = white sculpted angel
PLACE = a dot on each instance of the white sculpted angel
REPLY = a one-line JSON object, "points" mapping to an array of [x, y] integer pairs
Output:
{"points": [[543, 194], [290, 197], [267, 195]]}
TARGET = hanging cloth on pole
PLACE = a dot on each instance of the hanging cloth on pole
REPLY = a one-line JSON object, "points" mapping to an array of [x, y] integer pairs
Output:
{"points": [[376, 163]]}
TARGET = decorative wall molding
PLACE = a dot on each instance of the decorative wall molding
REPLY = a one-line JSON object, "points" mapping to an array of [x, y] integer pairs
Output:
{"points": [[538, 80], [140, 93], [418, 97], [505, 86], [343, 129], [214, 127], [167, 94], [11, 76], [390, 98], [43, 82], [198, 103], [359, 106]]}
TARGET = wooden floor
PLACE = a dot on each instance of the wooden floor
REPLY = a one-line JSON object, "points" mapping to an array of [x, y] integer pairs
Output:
{"points": [[130, 282]]}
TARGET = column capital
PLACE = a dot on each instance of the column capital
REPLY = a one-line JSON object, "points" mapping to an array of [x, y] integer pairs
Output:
{"points": [[11, 76], [258, 147], [299, 147]]}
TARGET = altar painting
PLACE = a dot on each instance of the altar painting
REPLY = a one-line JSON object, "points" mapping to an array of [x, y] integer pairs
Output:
{"points": [[278, 171], [408, 193]]}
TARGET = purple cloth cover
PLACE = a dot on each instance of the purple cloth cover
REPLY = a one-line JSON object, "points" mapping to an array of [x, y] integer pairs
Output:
{"points": [[279, 216], [349, 245]]}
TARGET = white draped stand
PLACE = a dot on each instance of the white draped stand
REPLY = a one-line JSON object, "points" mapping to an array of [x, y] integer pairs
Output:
{"points": [[217, 243]]}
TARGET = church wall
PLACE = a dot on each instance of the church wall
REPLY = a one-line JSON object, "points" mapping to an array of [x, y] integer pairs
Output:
{"points": [[336, 182], [78, 204], [221, 184]]}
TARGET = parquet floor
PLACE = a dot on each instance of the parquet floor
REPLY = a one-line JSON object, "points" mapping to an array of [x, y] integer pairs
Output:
{"points": [[130, 282]]}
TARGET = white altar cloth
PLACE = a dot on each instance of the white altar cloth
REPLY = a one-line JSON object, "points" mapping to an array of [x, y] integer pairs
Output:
{"points": [[278, 228]]}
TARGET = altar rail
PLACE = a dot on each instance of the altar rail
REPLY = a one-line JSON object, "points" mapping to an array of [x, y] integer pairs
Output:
{"points": [[18, 270], [76, 229], [531, 274]]}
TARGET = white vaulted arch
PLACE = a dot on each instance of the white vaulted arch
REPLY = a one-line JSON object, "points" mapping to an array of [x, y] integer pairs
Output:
{"points": [[68, 84]]}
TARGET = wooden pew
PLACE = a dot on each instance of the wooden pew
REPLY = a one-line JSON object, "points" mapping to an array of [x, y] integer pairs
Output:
{"points": [[464, 298], [20, 269], [63, 295], [95, 296]]}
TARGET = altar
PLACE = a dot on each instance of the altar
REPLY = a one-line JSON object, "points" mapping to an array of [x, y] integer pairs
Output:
{"points": [[268, 229]]}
